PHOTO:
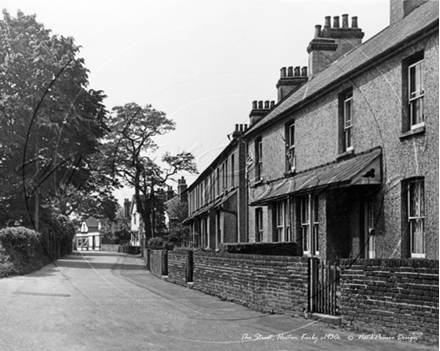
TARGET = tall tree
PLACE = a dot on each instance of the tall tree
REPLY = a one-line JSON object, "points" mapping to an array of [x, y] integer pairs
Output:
{"points": [[130, 142], [50, 122]]}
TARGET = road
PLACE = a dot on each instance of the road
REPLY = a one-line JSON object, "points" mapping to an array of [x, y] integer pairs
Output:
{"points": [[109, 301]]}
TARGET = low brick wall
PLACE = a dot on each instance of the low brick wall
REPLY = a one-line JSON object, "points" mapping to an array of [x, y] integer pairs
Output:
{"points": [[391, 296], [177, 265], [266, 283], [158, 262]]}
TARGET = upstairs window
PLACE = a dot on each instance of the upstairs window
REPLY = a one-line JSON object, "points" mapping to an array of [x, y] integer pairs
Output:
{"points": [[413, 93], [290, 147], [258, 159], [416, 94], [348, 121]]}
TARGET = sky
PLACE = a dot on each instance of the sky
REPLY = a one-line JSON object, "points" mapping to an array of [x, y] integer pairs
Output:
{"points": [[200, 62]]}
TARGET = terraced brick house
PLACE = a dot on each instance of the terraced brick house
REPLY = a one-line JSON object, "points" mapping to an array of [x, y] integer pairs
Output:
{"points": [[217, 201], [346, 162]]}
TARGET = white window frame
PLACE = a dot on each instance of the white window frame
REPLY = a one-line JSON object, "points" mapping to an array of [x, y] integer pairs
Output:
{"points": [[370, 219], [310, 224], [419, 216], [290, 152], [418, 95], [259, 160], [305, 224], [259, 224], [348, 123], [280, 220]]}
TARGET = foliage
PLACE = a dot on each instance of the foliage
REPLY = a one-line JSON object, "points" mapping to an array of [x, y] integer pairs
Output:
{"points": [[159, 243], [18, 236], [275, 249], [128, 147], [180, 235], [177, 212], [50, 122], [21, 251]]}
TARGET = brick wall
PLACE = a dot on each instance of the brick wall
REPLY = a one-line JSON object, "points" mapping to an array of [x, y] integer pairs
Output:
{"points": [[177, 267], [391, 295], [265, 283]]}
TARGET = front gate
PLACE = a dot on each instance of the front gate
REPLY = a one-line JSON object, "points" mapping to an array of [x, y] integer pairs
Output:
{"points": [[324, 286]]}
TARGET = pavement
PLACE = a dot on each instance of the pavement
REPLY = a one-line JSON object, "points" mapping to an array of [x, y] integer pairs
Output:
{"points": [[109, 301]]}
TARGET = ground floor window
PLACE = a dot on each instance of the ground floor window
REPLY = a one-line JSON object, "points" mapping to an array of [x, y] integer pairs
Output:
{"points": [[259, 225], [282, 212], [416, 217], [370, 232], [310, 224]]}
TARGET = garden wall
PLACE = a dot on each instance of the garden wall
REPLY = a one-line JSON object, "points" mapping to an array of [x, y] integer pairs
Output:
{"points": [[391, 296], [277, 284]]}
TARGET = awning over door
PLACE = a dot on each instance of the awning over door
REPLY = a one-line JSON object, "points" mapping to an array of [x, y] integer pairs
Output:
{"points": [[214, 204], [363, 169]]}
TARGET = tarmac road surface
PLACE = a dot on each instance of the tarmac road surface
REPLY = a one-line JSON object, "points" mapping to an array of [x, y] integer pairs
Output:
{"points": [[109, 301]]}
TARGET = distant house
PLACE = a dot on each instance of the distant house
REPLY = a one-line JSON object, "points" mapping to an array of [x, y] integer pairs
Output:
{"points": [[137, 227], [173, 200], [88, 235]]}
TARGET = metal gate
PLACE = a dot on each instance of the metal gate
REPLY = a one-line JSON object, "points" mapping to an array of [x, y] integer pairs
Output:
{"points": [[324, 286]]}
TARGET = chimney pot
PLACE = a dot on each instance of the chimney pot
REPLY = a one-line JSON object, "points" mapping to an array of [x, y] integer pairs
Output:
{"points": [[318, 31], [260, 105], [297, 69], [327, 22], [290, 72], [344, 21], [336, 22], [304, 71], [283, 72], [266, 105], [272, 104], [354, 22], [254, 105], [236, 127]]}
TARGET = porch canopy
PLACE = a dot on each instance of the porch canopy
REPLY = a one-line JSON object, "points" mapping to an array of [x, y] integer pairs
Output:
{"points": [[363, 169], [214, 204]]}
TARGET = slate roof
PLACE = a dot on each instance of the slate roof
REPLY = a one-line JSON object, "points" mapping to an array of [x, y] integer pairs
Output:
{"points": [[346, 67]]}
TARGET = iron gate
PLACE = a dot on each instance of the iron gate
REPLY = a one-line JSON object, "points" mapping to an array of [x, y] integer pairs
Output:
{"points": [[324, 286]]}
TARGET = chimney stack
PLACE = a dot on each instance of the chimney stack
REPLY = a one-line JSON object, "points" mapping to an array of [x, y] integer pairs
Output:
{"points": [[181, 189], [399, 9], [240, 129], [259, 110], [287, 84], [332, 43]]}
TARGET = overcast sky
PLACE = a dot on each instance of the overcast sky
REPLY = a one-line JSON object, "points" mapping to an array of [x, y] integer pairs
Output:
{"points": [[201, 62]]}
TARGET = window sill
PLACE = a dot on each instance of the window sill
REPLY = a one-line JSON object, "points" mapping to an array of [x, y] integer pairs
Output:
{"points": [[290, 173], [345, 154], [418, 257], [412, 132]]}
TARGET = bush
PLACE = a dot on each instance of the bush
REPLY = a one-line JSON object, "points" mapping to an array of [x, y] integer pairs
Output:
{"points": [[159, 243], [21, 251], [273, 249]]}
